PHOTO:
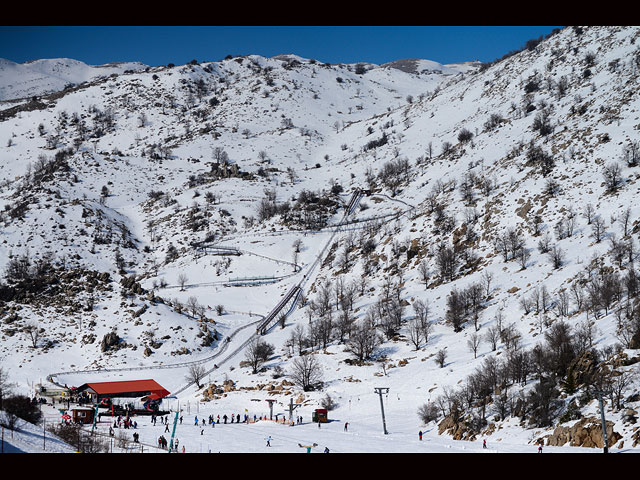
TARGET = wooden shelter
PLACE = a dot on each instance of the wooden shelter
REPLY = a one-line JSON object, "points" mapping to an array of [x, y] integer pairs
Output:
{"points": [[82, 415], [319, 415]]}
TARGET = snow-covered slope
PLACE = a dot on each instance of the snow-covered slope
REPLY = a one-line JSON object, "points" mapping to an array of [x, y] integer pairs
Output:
{"points": [[126, 181], [44, 76]]}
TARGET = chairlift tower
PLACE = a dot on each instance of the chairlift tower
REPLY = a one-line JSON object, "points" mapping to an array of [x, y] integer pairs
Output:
{"points": [[380, 391]]}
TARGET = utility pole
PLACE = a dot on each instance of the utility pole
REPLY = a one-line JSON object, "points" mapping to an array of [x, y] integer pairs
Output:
{"points": [[605, 442], [380, 391], [292, 407], [173, 431], [270, 402]]}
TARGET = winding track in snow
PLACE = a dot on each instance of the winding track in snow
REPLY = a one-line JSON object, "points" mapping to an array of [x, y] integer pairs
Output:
{"points": [[264, 327]]}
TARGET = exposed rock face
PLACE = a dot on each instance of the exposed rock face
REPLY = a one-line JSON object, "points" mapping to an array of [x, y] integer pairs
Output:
{"points": [[582, 368], [587, 432], [109, 341], [456, 426]]}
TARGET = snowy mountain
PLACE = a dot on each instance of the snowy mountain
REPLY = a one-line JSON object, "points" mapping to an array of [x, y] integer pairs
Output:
{"points": [[44, 76], [479, 219]]}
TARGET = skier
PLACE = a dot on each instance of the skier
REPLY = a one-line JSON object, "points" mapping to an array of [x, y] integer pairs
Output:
{"points": [[196, 421], [540, 448], [346, 426], [420, 434], [268, 441], [326, 449], [180, 419], [484, 443]]}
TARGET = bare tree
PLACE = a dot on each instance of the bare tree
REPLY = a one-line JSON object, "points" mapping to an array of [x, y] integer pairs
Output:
{"points": [[364, 339], [306, 372], [423, 270], [557, 257], [33, 332], [487, 278], [612, 177], [619, 385], [598, 228], [492, 336], [589, 212], [195, 374], [473, 343], [192, 305], [441, 358], [415, 332], [182, 280], [257, 353], [626, 218]]}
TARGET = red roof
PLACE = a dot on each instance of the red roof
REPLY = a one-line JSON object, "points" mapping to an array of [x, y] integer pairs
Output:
{"points": [[126, 386]]}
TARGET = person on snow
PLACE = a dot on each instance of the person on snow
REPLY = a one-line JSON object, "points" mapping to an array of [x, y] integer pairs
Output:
{"points": [[196, 421], [420, 434], [326, 449], [540, 448], [484, 443], [346, 426], [268, 441]]}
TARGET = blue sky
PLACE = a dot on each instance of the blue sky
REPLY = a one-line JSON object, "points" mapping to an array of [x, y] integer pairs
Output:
{"points": [[158, 45]]}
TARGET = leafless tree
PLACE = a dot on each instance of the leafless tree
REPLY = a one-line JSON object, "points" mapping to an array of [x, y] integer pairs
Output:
{"points": [[613, 177], [306, 372], [364, 339], [33, 332], [598, 228], [441, 358], [473, 343], [619, 385], [492, 336], [589, 212], [193, 305], [423, 270], [195, 374], [182, 280], [257, 353], [487, 278], [415, 332]]}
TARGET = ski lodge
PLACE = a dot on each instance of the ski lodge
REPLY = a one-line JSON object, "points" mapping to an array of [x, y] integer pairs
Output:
{"points": [[98, 391]]}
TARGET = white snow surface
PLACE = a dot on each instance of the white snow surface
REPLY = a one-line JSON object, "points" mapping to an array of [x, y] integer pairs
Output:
{"points": [[44, 76]]}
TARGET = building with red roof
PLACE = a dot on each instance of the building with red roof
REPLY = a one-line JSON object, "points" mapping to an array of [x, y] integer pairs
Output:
{"points": [[150, 389]]}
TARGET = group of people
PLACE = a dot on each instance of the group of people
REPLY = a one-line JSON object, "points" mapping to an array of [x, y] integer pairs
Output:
{"points": [[126, 422]]}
